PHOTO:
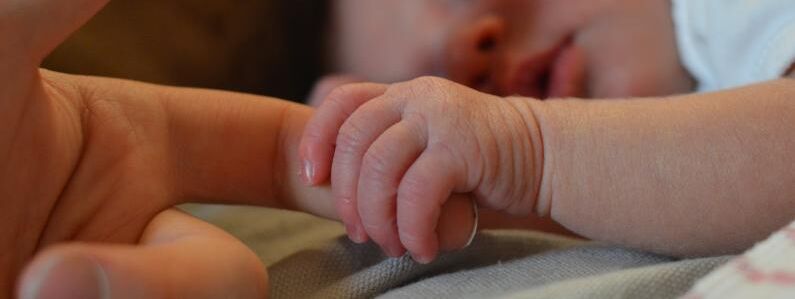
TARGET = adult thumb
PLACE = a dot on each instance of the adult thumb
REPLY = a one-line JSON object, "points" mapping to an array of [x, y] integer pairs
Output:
{"points": [[179, 257]]}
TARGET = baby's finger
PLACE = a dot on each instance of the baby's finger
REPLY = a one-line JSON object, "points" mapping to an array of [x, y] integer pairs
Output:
{"points": [[326, 85], [428, 183], [355, 137], [320, 136], [383, 165]]}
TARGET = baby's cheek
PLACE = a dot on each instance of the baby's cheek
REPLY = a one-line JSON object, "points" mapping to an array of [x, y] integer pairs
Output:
{"points": [[455, 223]]}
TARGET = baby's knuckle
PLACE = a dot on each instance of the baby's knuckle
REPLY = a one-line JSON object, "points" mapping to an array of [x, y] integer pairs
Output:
{"points": [[446, 148], [421, 87], [344, 200], [377, 163], [335, 100], [312, 135], [417, 120], [350, 137], [430, 82], [412, 195], [379, 231], [411, 238], [341, 94]]}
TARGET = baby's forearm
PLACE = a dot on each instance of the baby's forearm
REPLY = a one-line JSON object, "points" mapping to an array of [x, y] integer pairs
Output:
{"points": [[700, 174]]}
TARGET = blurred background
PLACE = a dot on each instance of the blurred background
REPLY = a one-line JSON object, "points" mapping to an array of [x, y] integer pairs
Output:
{"points": [[268, 47]]}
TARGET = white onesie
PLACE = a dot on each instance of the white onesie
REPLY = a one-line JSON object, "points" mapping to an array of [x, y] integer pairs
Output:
{"points": [[730, 43]]}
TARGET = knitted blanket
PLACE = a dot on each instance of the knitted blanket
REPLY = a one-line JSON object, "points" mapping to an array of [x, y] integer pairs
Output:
{"points": [[309, 257]]}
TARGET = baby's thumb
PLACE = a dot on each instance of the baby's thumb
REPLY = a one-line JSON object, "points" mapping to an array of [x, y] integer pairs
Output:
{"points": [[457, 222]]}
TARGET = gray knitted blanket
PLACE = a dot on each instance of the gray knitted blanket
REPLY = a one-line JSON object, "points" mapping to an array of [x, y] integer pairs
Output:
{"points": [[309, 257]]}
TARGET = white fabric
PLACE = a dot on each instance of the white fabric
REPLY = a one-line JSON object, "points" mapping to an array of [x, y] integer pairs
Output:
{"points": [[766, 271], [725, 44], [730, 43]]}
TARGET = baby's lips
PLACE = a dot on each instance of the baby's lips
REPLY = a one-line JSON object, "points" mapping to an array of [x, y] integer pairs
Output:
{"points": [[456, 223]]}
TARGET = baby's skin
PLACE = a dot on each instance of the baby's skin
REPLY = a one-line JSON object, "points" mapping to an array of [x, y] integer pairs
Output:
{"points": [[691, 175]]}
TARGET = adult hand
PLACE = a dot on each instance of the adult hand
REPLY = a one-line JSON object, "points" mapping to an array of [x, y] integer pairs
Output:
{"points": [[90, 169]]}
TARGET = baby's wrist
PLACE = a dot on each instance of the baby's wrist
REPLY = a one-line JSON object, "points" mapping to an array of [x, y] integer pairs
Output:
{"points": [[529, 121]]}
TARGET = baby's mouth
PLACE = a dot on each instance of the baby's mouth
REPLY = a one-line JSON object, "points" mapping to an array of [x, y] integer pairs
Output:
{"points": [[555, 73]]}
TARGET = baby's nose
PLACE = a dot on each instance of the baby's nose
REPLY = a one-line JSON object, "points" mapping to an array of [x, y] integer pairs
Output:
{"points": [[472, 53]]}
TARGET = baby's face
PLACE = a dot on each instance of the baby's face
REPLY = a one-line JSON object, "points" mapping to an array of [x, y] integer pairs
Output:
{"points": [[537, 48]]}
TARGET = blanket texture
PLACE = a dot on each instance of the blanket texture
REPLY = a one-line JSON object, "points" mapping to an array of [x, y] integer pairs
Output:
{"points": [[309, 257]]}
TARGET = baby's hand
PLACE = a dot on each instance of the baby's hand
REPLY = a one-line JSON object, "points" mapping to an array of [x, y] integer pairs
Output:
{"points": [[401, 151], [325, 85]]}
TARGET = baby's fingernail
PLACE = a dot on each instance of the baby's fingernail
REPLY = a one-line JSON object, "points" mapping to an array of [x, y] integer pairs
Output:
{"points": [[353, 234], [358, 235], [307, 171]]}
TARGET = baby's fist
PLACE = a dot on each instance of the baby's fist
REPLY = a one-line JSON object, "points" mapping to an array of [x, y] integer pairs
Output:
{"points": [[401, 151]]}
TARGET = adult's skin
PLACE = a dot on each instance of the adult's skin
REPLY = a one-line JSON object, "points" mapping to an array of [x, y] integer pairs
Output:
{"points": [[101, 162], [91, 168]]}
